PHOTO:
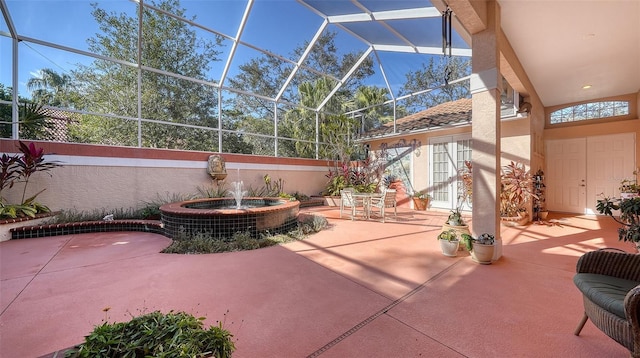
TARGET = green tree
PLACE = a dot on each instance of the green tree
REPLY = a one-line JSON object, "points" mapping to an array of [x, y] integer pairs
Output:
{"points": [[265, 75], [334, 130], [368, 100], [168, 45], [5, 112], [50, 88], [432, 75], [33, 124]]}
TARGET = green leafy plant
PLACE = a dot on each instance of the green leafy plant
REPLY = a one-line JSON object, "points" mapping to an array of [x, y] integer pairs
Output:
{"points": [[483, 239], [156, 334], [455, 218], [360, 175], [629, 216], [73, 215], [449, 235], [151, 209], [208, 243], [630, 185], [334, 185], [217, 190], [300, 196], [388, 179], [270, 189], [421, 195]]}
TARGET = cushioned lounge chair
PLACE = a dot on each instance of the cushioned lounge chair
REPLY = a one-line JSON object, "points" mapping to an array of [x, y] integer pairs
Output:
{"points": [[610, 285]]}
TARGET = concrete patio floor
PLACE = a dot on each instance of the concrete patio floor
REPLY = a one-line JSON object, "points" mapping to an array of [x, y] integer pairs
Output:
{"points": [[358, 289]]}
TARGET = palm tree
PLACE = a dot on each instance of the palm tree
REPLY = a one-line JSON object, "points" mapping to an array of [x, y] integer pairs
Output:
{"points": [[34, 124], [370, 99], [50, 87]]}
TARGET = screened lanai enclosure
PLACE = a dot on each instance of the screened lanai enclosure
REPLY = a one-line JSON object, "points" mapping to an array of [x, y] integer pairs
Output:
{"points": [[279, 78]]}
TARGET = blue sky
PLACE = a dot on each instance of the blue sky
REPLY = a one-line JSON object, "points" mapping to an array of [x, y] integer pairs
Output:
{"points": [[275, 25]]}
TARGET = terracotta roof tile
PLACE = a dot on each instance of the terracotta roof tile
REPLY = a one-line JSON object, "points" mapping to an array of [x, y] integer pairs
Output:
{"points": [[454, 112], [57, 113]]}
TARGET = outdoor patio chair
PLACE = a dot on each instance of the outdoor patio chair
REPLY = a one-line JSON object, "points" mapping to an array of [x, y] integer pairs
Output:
{"points": [[610, 285], [347, 201], [386, 200]]}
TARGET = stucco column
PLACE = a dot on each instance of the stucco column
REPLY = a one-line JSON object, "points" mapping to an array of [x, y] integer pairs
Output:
{"points": [[485, 91]]}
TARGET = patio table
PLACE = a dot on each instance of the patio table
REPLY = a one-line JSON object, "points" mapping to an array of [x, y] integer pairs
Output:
{"points": [[366, 201]]}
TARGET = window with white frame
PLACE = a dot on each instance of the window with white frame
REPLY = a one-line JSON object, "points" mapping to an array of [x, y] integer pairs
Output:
{"points": [[587, 111]]}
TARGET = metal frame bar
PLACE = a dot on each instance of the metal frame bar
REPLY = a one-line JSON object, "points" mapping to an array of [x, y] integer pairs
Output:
{"points": [[367, 16], [302, 58]]}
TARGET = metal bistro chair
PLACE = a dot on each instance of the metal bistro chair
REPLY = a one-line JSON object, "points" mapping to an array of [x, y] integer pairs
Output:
{"points": [[387, 200], [347, 201]]}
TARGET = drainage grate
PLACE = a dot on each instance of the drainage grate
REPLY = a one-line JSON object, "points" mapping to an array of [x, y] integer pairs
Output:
{"points": [[384, 310]]}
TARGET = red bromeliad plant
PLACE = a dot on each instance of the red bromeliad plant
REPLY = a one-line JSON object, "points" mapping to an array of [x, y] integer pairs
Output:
{"points": [[360, 175], [32, 161], [516, 189], [19, 168]]}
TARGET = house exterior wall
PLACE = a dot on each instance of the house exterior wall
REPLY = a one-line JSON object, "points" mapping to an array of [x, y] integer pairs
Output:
{"points": [[96, 176]]}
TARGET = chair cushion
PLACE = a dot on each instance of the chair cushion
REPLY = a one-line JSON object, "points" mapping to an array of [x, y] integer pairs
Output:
{"points": [[605, 291]]}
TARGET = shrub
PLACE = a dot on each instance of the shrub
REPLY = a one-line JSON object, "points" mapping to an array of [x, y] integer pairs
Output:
{"points": [[361, 175], [72, 215], [208, 243], [175, 334], [19, 168], [151, 209]]}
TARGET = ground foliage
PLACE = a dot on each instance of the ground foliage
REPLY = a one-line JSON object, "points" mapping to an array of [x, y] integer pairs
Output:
{"points": [[156, 334], [205, 243]]}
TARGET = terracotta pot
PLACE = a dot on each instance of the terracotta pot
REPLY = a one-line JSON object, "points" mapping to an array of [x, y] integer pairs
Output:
{"points": [[402, 199], [420, 204], [520, 220]]}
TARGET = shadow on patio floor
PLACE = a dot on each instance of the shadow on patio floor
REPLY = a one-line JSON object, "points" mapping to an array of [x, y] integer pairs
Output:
{"points": [[359, 289]]}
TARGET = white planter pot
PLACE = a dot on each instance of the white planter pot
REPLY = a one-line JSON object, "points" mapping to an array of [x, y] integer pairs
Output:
{"points": [[463, 229], [449, 248], [482, 254]]}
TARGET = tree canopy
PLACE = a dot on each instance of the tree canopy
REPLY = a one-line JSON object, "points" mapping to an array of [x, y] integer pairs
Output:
{"points": [[165, 95], [171, 48], [432, 75]]}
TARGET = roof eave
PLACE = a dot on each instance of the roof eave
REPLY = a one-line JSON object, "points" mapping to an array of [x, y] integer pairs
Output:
{"points": [[412, 132]]}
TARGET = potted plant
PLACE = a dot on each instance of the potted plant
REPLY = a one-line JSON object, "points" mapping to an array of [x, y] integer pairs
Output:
{"points": [[481, 248], [455, 218], [629, 188], [629, 217], [456, 222], [516, 193], [449, 243], [421, 200], [359, 175]]}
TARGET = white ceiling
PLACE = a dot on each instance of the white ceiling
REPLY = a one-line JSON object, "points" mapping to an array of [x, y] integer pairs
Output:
{"points": [[564, 45]]}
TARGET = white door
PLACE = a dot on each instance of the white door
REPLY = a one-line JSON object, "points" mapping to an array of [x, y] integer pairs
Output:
{"points": [[566, 175], [580, 170], [447, 156], [610, 159]]}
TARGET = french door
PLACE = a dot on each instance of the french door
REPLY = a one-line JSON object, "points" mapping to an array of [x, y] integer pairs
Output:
{"points": [[579, 170], [447, 157]]}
